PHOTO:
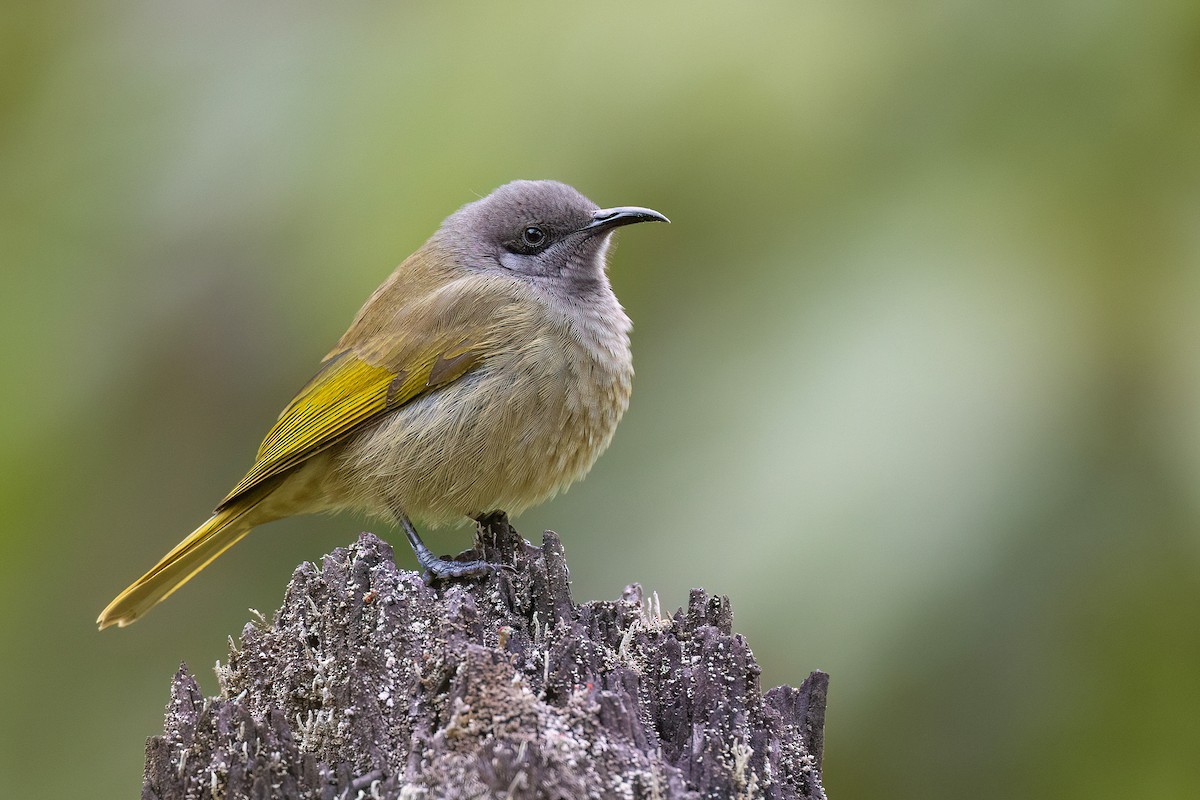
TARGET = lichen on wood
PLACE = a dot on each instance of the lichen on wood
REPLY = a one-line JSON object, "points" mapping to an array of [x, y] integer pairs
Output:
{"points": [[369, 683]]}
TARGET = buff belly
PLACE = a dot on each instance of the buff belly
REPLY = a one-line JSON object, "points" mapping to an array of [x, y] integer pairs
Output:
{"points": [[504, 437]]}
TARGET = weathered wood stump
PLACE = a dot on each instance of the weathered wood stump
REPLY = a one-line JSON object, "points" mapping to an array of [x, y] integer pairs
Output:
{"points": [[371, 684]]}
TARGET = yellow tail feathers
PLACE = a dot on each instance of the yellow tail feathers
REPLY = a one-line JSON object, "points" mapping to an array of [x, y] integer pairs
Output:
{"points": [[222, 531]]}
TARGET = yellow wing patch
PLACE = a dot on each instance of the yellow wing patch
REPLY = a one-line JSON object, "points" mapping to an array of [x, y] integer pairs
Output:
{"points": [[344, 395]]}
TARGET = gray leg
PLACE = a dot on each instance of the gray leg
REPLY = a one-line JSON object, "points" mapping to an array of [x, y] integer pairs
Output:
{"points": [[438, 567]]}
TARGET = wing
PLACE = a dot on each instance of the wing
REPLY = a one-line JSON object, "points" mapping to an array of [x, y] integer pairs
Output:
{"points": [[428, 346]]}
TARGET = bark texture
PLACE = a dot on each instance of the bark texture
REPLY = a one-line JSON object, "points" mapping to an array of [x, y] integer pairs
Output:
{"points": [[370, 684]]}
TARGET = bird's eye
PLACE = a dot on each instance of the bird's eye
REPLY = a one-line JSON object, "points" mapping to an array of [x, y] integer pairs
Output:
{"points": [[533, 236]]}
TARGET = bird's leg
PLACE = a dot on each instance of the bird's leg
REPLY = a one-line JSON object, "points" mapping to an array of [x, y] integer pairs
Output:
{"points": [[434, 566]]}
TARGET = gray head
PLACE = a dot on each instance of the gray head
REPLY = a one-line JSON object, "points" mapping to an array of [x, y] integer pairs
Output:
{"points": [[545, 231]]}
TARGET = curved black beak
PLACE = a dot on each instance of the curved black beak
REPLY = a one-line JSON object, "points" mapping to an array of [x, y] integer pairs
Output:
{"points": [[609, 218]]}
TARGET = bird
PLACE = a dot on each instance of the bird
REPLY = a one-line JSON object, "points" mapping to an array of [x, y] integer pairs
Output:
{"points": [[487, 373]]}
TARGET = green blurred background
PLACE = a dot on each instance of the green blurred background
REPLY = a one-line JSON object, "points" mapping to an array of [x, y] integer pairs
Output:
{"points": [[918, 360]]}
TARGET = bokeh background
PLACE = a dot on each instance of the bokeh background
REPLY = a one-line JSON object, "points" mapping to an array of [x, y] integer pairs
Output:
{"points": [[918, 360]]}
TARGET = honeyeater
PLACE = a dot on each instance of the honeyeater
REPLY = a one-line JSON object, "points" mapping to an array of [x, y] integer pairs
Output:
{"points": [[487, 373]]}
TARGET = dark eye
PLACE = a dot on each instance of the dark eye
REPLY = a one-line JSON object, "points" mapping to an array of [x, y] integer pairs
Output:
{"points": [[533, 236]]}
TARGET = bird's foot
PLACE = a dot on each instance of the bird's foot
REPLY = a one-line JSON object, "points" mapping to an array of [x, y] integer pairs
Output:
{"points": [[436, 569]]}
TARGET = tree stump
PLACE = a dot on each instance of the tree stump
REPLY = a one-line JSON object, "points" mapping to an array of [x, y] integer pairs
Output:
{"points": [[371, 684]]}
